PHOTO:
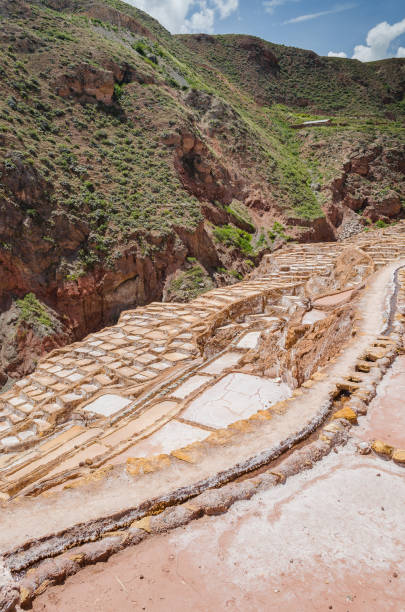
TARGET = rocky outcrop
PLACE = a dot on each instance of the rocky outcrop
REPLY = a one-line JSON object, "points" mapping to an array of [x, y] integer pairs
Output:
{"points": [[97, 297], [19, 8], [22, 343], [343, 221], [389, 205], [21, 40], [259, 54], [371, 184], [23, 180], [87, 83], [319, 230], [201, 173], [199, 244], [117, 18]]}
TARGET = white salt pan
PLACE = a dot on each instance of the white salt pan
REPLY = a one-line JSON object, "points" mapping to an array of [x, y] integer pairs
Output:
{"points": [[107, 404], [313, 316], [171, 436], [225, 361], [237, 396], [190, 385], [249, 341]]}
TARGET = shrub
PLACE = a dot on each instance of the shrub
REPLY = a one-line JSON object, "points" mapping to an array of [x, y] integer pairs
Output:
{"points": [[118, 91], [234, 237], [190, 283], [101, 135], [89, 186], [140, 48], [34, 313], [278, 231], [240, 213]]}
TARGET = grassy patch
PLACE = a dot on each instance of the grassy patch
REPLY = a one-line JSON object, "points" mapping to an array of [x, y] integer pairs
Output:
{"points": [[278, 231], [35, 314], [234, 237], [240, 213], [189, 284]]}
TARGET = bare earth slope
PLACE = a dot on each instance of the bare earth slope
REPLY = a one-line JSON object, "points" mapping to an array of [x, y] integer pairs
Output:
{"points": [[136, 166]]}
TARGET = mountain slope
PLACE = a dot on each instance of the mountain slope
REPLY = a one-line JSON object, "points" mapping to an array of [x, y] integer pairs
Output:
{"points": [[135, 164], [302, 79]]}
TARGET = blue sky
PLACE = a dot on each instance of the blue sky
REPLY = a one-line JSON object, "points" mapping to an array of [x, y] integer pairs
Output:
{"points": [[364, 29]]}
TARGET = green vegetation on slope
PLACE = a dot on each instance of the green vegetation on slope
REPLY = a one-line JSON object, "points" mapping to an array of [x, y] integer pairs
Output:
{"points": [[300, 78], [189, 284], [88, 179], [35, 314]]}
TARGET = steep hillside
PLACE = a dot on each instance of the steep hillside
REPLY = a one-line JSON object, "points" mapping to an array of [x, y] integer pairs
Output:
{"points": [[136, 165], [302, 79]]}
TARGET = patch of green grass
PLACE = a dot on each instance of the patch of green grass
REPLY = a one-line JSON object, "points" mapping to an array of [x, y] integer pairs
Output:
{"points": [[189, 284], [239, 212], [35, 314], [232, 236], [278, 231]]}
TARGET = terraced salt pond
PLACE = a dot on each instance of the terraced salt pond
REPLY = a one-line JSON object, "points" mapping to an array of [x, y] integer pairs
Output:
{"points": [[236, 396]]}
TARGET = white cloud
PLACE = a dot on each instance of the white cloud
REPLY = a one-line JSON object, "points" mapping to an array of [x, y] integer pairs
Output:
{"points": [[337, 54], [378, 41], [401, 52], [201, 21], [186, 16], [226, 7], [336, 9], [271, 5]]}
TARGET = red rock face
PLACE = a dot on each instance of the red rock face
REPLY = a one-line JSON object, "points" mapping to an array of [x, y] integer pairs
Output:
{"points": [[88, 303], [203, 175], [21, 345], [86, 83], [360, 166], [24, 181], [259, 53], [367, 185], [387, 207], [115, 17]]}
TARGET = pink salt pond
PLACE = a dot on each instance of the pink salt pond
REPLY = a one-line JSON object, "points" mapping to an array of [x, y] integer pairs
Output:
{"points": [[234, 397], [334, 300]]}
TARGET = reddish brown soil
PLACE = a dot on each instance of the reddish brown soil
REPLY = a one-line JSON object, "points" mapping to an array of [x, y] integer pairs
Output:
{"points": [[315, 544]]}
